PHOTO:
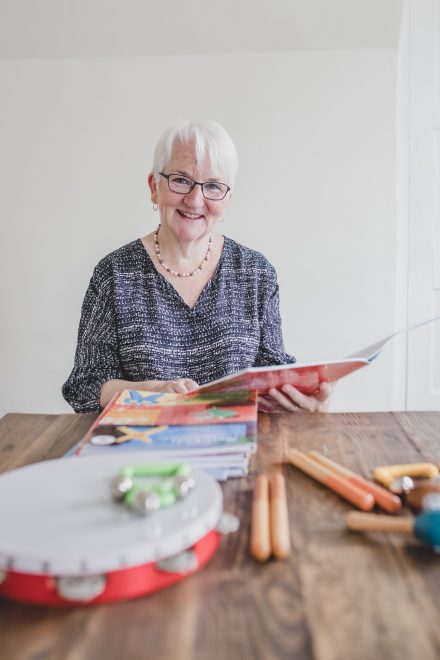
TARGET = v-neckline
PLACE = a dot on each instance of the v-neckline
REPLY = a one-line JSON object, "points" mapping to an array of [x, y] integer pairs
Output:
{"points": [[170, 286]]}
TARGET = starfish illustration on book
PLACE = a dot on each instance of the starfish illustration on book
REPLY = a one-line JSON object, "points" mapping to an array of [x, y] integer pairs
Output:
{"points": [[143, 435], [138, 399]]}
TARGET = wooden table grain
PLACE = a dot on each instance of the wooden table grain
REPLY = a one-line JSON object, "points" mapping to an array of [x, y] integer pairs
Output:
{"points": [[339, 596]]}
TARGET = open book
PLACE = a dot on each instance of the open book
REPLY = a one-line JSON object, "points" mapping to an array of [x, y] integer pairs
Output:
{"points": [[307, 376]]}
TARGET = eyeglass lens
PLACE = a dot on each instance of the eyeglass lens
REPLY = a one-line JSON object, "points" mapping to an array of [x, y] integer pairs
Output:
{"points": [[210, 189]]}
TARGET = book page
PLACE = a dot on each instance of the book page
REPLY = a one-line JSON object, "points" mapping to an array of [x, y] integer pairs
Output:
{"points": [[371, 352]]}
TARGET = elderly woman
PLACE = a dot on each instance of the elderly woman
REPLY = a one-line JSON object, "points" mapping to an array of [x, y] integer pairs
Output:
{"points": [[183, 305]]}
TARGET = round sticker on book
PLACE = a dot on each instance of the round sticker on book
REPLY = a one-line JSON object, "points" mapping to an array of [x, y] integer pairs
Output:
{"points": [[103, 440]]}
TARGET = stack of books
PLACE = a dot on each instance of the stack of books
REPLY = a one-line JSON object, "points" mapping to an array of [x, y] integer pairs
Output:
{"points": [[213, 431]]}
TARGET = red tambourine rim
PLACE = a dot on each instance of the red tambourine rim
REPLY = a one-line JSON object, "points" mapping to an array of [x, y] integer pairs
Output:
{"points": [[123, 584]]}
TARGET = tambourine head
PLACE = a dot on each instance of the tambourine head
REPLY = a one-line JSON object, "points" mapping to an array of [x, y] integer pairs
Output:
{"points": [[83, 547]]}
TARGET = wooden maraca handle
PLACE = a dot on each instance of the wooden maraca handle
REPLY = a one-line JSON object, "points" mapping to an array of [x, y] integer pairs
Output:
{"points": [[370, 522]]}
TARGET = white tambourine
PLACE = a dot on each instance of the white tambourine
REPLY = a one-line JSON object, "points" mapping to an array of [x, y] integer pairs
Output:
{"points": [[65, 541]]}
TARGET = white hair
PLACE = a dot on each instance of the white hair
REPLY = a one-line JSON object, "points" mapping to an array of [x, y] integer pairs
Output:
{"points": [[210, 141]]}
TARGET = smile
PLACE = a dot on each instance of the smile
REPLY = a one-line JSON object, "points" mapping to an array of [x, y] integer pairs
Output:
{"points": [[191, 216]]}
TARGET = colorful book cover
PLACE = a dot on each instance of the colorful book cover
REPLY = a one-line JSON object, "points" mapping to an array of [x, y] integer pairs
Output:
{"points": [[216, 431], [134, 407], [173, 439]]}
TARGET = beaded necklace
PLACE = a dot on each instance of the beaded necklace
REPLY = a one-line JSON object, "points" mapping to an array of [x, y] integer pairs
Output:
{"points": [[170, 270]]}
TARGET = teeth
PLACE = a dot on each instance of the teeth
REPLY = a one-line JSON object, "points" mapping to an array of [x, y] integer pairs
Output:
{"points": [[191, 216]]}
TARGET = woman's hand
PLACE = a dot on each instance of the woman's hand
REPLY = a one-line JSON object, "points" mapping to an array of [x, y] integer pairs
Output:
{"points": [[179, 385], [289, 398]]}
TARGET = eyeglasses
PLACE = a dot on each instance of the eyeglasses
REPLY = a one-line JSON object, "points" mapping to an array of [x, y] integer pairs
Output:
{"points": [[183, 185]]}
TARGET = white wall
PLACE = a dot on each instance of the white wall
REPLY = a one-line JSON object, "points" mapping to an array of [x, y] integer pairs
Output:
{"points": [[423, 45], [400, 344], [315, 131]]}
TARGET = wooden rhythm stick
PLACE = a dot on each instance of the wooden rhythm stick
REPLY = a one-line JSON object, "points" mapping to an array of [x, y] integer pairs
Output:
{"points": [[279, 517], [386, 500], [270, 519], [335, 482], [260, 547]]}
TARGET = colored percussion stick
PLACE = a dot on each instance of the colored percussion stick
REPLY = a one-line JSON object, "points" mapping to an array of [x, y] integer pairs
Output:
{"points": [[425, 527], [279, 517], [260, 545], [386, 500], [387, 473], [335, 482]]}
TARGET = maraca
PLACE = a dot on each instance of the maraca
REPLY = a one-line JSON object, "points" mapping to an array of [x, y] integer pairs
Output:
{"points": [[425, 527], [421, 494], [425, 494]]}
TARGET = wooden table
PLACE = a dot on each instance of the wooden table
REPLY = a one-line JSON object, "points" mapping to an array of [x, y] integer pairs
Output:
{"points": [[340, 596]]}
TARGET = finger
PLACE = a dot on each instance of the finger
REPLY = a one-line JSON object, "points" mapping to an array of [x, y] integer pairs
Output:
{"points": [[179, 386], [301, 400], [319, 402], [191, 385], [325, 391], [283, 400], [266, 404], [167, 387], [184, 385], [324, 396]]}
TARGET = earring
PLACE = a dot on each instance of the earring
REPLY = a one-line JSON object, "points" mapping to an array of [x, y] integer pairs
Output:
{"points": [[155, 207]]}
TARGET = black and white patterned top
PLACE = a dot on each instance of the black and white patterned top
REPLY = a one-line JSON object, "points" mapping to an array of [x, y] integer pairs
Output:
{"points": [[135, 326]]}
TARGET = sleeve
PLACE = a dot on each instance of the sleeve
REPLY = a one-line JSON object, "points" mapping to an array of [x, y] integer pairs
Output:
{"points": [[96, 356], [271, 350]]}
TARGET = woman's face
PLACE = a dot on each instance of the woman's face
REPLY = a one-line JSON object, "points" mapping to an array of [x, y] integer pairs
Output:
{"points": [[189, 217]]}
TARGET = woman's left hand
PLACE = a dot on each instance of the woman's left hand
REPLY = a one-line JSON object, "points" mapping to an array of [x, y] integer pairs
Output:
{"points": [[290, 398]]}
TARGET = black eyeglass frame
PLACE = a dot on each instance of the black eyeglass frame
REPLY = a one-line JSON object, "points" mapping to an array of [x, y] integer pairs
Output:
{"points": [[195, 183]]}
